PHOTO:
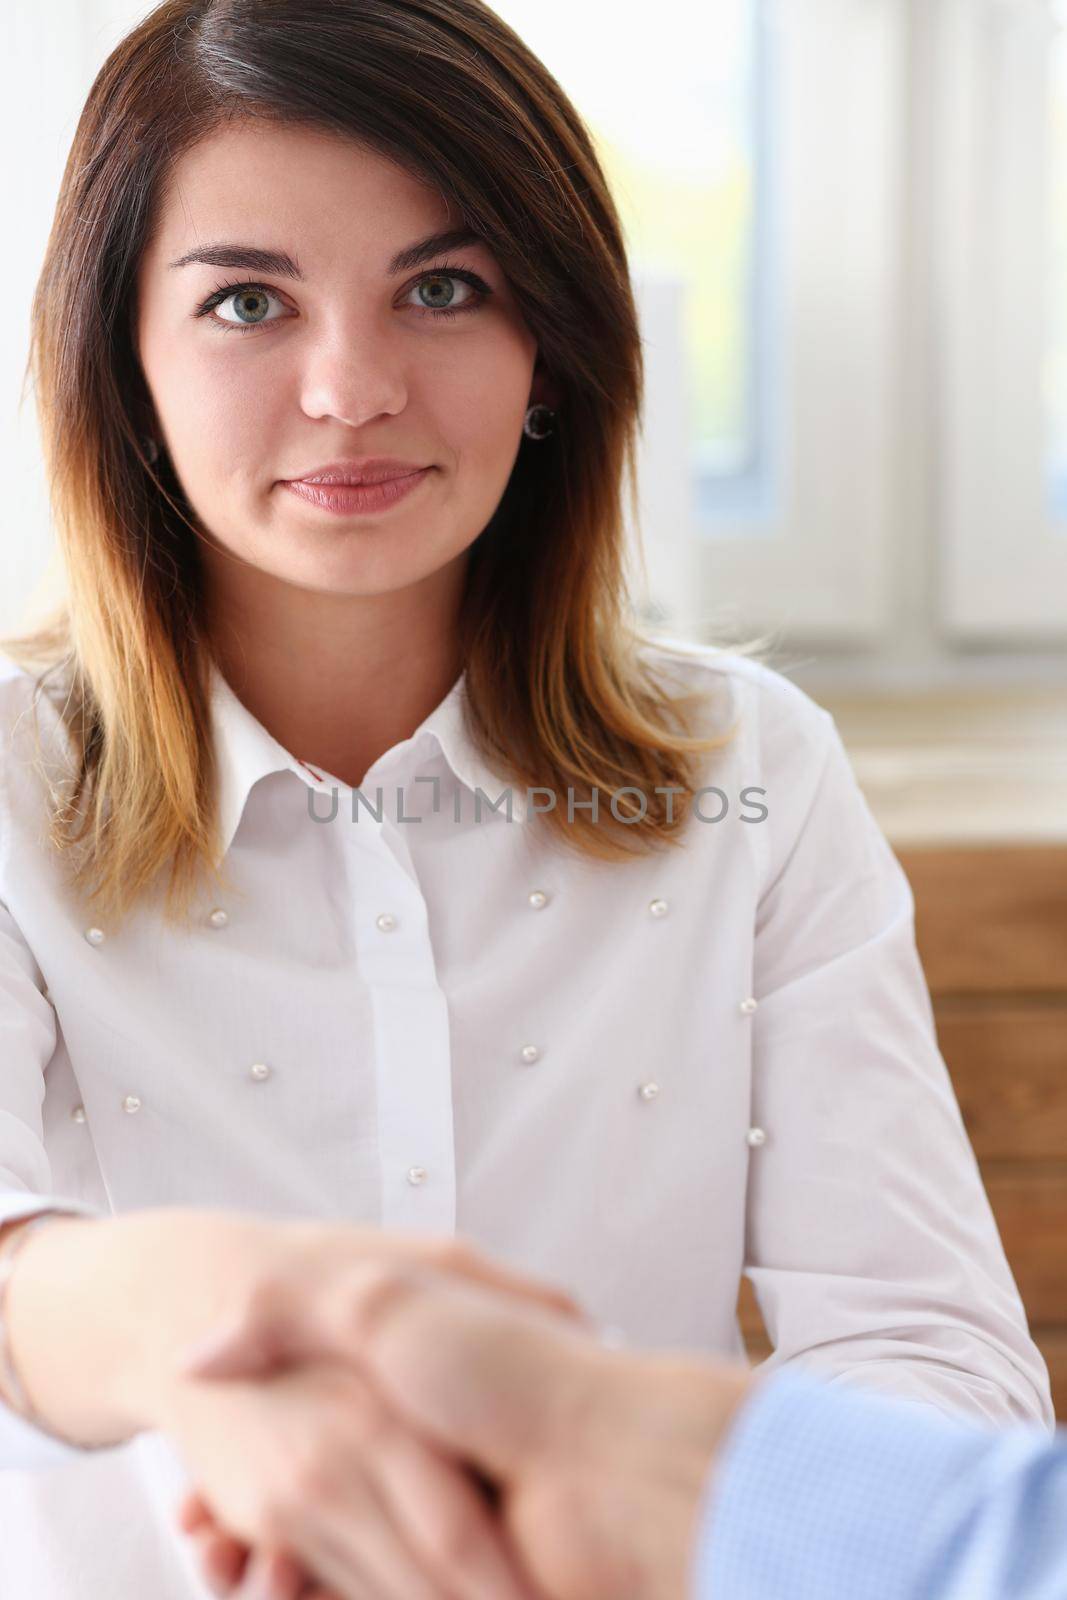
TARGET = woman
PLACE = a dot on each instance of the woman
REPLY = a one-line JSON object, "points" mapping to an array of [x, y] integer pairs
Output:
{"points": [[606, 967]]}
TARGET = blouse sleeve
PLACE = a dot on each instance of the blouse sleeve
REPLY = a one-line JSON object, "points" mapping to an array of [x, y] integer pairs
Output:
{"points": [[870, 1241], [27, 1042]]}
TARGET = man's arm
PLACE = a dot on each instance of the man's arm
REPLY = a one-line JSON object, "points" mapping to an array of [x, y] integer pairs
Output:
{"points": [[827, 1493]]}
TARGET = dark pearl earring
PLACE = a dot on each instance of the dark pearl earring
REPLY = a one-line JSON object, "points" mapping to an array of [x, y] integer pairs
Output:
{"points": [[539, 421]]}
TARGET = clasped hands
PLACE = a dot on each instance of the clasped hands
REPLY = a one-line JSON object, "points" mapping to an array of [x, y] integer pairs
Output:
{"points": [[392, 1417]]}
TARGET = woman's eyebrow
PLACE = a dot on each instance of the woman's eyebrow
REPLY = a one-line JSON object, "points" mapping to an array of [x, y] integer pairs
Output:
{"points": [[249, 257]]}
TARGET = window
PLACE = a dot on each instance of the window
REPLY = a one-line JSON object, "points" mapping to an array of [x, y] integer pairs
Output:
{"points": [[683, 138], [761, 243], [1000, 148]]}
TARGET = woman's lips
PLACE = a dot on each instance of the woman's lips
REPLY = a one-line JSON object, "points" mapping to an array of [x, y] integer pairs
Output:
{"points": [[349, 498]]}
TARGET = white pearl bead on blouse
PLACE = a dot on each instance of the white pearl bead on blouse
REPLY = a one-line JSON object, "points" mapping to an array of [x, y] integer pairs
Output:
{"points": [[78, 1114], [132, 1103], [259, 1070], [649, 1091], [386, 922], [658, 908], [416, 1175], [218, 918], [95, 935], [756, 1137], [537, 898], [749, 1005], [530, 1052]]}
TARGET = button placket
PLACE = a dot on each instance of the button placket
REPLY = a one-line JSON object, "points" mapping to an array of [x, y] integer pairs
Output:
{"points": [[412, 1062]]}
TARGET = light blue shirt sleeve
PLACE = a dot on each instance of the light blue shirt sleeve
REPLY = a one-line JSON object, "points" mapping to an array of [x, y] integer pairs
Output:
{"points": [[826, 1493]]}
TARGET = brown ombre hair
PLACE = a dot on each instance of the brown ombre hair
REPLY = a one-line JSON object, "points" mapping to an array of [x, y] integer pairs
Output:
{"points": [[558, 693]]}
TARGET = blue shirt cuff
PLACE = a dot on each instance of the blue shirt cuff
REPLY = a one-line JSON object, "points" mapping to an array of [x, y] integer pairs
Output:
{"points": [[820, 1493]]}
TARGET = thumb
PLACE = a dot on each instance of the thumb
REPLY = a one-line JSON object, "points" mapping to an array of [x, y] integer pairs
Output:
{"points": [[248, 1346], [498, 1382]]}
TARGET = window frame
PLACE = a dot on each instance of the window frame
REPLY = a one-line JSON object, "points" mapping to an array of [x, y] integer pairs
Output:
{"points": [[817, 561], [1003, 546]]}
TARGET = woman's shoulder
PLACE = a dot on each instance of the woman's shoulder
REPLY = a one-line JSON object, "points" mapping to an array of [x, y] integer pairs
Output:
{"points": [[773, 714], [31, 721], [16, 696]]}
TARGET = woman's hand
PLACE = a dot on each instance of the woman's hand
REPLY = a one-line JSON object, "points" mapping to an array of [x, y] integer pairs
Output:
{"points": [[312, 1470], [309, 1305], [229, 1567]]}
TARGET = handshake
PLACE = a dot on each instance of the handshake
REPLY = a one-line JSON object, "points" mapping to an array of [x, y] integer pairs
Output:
{"points": [[391, 1417]]}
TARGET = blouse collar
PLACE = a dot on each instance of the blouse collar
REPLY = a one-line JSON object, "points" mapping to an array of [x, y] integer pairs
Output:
{"points": [[245, 752]]}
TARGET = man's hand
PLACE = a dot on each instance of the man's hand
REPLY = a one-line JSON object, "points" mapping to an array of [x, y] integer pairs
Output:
{"points": [[600, 1457], [310, 1306]]}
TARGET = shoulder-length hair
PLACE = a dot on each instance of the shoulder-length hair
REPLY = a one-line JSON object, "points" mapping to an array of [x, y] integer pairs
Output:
{"points": [[558, 694]]}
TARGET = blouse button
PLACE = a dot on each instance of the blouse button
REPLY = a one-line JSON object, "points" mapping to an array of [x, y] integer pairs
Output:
{"points": [[649, 1091], [658, 908], [259, 1071], [95, 935], [78, 1114], [529, 1052], [387, 922], [537, 898], [749, 1005], [132, 1103], [756, 1137], [218, 918], [416, 1175]]}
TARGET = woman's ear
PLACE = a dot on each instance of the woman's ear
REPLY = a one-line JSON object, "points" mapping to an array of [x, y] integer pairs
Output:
{"points": [[544, 390], [143, 413]]}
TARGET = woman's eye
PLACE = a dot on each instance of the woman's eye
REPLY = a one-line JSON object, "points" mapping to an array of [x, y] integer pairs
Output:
{"points": [[440, 294], [437, 293], [249, 304]]}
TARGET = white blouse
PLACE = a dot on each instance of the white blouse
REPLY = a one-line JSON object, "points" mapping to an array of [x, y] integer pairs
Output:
{"points": [[636, 1080]]}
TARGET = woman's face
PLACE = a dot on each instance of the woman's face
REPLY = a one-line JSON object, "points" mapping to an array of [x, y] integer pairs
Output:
{"points": [[350, 358]]}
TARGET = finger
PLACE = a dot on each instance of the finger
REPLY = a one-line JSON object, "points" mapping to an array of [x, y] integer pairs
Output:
{"points": [[223, 1561], [217, 1549], [193, 1512], [481, 1270], [226, 1560], [365, 1554], [243, 1348], [273, 1575], [477, 1376], [447, 1519]]}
